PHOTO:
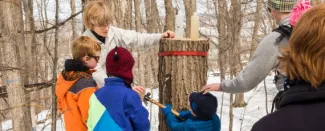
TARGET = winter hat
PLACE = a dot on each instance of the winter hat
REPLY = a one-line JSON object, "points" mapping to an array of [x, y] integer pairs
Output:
{"points": [[281, 5], [301, 7], [119, 63], [204, 106]]}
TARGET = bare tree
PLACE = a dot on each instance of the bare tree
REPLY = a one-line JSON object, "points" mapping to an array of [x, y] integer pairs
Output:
{"points": [[236, 26], [155, 17], [31, 56], [137, 15], [55, 60], [13, 52], [150, 26], [128, 16], [73, 20], [170, 15], [231, 115], [257, 19], [220, 9], [1, 57], [190, 7]]}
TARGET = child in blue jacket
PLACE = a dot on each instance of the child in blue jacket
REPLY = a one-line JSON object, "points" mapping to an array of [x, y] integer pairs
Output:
{"points": [[201, 116], [116, 107]]}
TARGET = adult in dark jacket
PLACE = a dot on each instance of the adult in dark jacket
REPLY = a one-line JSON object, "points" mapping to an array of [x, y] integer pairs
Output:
{"points": [[301, 107]]}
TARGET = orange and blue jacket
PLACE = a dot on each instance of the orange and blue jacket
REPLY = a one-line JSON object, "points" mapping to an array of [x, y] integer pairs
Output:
{"points": [[73, 90]]}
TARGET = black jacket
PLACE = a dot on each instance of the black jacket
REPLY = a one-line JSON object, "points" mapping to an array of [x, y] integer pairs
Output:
{"points": [[301, 108]]}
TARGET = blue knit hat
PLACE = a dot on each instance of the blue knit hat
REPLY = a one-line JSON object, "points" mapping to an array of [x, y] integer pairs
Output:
{"points": [[204, 106]]}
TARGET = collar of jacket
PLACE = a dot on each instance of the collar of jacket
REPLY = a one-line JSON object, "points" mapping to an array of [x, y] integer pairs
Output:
{"points": [[285, 21], [302, 93], [100, 38], [107, 39], [116, 81]]}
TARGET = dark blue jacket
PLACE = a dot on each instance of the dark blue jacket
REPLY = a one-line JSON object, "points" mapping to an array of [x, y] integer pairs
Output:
{"points": [[192, 124], [116, 107]]}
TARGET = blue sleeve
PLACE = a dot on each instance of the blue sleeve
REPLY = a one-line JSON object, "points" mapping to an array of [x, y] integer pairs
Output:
{"points": [[185, 114], [174, 124], [137, 113]]}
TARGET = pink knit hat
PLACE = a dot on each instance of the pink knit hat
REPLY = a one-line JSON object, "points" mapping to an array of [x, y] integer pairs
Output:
{"points": [[301, 7]]}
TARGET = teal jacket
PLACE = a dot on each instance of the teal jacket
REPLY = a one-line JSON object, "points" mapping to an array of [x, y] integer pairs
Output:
{"points": [[192, 123]]}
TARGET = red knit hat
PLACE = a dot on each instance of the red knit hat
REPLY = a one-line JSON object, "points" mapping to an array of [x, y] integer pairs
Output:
{"points": [[119, 63]]}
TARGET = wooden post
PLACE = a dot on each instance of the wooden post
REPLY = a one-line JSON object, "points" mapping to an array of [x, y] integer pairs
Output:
{"points": [[180, 74]]}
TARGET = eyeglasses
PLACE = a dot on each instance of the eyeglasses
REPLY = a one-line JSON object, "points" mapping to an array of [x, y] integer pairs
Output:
{"points": [[95, 57]]}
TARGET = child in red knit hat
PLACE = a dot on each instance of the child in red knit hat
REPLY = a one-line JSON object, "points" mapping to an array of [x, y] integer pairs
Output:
{"points": [[116, 106]]}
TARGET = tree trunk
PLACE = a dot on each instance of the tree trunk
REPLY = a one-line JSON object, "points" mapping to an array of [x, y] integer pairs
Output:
{"points": [[31, 56], [175, 85], [119, 12], [155, 17], [222, 38], [236, 22], [231, 115], [128, 15], [257, 20], [190, 7], [239, 100], [55, 60], [73, 20], [220, 9], [137, 15], [170, 15], [149, 16], [142, 68], [13, 51], [154, 63], [1, 57], [28, 74]]}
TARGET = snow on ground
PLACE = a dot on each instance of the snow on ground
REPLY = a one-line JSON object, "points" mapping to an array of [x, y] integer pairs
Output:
{"points": [[244, 117]]}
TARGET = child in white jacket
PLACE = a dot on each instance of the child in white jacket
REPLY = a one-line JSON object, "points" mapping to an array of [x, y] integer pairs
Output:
{"points": [[98, 19]]}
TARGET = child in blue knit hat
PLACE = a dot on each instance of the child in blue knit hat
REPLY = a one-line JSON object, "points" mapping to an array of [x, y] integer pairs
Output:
{"points": [[201, 116]]}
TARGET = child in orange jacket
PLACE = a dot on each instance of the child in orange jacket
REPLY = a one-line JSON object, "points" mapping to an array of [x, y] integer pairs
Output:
{"points": [[75, 83]]}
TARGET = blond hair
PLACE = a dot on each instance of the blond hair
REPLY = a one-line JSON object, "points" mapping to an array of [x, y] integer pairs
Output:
{"points": [[305, 56], [97, 13], [83, 46]]}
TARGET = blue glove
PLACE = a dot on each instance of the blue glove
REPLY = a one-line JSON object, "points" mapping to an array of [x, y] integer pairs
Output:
{"points": [[185, 114], [166, 110]]}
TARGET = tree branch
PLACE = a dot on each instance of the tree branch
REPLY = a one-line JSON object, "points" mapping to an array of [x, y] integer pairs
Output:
{"points": [[3, 89], [54, 26], [6, 68]]}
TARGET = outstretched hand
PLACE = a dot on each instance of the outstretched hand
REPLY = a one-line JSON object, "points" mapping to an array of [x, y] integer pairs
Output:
{"points": [[168, 34], [211, 87], [138, 89]]}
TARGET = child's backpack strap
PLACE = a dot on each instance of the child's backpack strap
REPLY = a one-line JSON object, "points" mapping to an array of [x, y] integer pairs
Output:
{"points": [[285, 31]]}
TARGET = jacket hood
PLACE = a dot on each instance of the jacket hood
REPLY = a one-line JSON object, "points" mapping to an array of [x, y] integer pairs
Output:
{"points": [[63, 86]]}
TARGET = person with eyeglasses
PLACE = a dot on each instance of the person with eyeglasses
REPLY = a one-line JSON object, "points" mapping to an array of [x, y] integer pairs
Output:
{"points": [[265, 58], [98, 20], [75, 84]]}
